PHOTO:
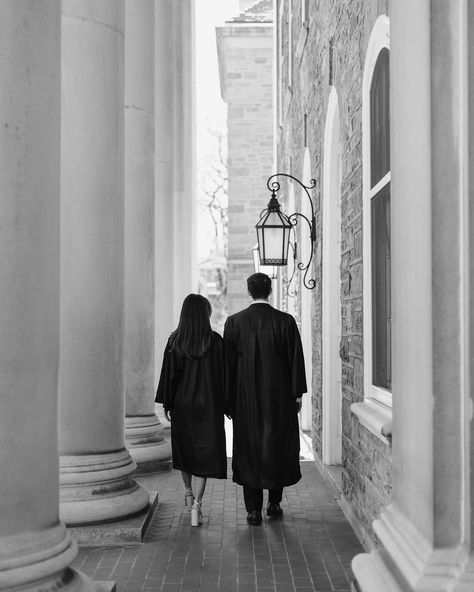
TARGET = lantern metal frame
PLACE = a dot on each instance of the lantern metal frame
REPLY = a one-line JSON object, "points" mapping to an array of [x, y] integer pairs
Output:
{"points": [[291, 290], [293, 219], [257, 266]]}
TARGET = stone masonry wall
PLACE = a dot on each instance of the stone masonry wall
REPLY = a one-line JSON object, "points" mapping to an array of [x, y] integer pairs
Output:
{"points": [[245, 62], [332, 50]]}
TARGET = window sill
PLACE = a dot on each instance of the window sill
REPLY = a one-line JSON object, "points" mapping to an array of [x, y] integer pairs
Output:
{"points": [[377, 418]]}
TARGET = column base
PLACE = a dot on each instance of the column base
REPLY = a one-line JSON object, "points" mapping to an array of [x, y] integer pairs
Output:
{"points": [[99, 488], [407, 561], [39, 562], [145, 443]]}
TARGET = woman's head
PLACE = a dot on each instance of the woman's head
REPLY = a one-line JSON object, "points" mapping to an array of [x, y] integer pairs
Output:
{"points": [[193, 335]]}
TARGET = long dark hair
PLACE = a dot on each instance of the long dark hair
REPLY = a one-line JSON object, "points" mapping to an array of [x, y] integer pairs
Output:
{"points": [[193, 336]]}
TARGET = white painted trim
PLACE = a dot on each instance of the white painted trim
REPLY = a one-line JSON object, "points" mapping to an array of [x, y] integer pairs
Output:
{"points": [[306, 303], [279, 65], [374, 416], [290, 44], [331, 286], [379, 39]]}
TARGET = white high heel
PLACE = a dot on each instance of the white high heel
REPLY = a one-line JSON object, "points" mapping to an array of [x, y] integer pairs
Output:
{"points": [[196, 514], [188, 497]]}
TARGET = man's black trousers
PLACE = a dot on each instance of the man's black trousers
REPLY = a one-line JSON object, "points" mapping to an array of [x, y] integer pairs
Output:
{"points": [[254, 497]]}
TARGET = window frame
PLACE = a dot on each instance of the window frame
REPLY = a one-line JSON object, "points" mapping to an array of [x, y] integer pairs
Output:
{"points": [[379, 40]]}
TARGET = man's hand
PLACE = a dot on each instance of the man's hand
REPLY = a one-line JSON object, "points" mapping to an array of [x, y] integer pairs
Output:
{"points": [[167, 415], [298, 405]]}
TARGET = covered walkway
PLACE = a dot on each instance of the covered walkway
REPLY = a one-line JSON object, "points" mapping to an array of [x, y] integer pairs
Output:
{"points": [[310, 549]]}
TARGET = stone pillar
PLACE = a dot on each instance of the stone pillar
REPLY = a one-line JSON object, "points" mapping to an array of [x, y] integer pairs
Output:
{"points": [[184, 153], [142, 427], [95, 467], [35, 549], [164, 105], [425, 531], [175, 250]]}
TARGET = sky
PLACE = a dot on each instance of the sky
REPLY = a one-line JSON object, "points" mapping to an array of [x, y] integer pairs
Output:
{"points": [[210, 109]]}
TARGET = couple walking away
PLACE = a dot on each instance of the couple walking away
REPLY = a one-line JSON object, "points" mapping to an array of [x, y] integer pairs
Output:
{"points": [[255, 376]]}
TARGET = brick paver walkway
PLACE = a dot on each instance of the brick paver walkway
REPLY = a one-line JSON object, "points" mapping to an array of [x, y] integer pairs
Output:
{"points": [[310, 549]]}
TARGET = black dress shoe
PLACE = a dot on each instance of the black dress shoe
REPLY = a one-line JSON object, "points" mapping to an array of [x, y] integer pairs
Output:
{"points": [[274, 510], [254, 517]]}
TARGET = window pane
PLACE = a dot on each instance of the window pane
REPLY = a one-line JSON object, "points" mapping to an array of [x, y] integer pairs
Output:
{"points": [[380, 119], [381, 290]]}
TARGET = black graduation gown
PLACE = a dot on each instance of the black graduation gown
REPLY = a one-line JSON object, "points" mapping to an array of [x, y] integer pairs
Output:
{"points": [[265, 374], [193, 390]]}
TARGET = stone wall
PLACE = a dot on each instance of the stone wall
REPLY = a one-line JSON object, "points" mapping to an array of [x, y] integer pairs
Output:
{"points": [[329, 52], [245, 62]]}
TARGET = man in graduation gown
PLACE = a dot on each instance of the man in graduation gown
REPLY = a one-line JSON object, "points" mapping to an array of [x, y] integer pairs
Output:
{"points": [[265, 382]]}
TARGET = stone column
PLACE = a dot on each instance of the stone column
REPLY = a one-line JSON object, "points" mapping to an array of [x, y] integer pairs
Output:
{"points": [[425, 531], [184, 153], [142, 427], [175, 251], [95, 468], [35, 549]]}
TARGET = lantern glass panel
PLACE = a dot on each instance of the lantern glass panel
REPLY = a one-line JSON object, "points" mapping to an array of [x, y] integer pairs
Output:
{"points": [[273, 235], [272, 241]]}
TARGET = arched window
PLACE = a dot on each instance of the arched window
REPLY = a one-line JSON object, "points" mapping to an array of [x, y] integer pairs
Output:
{"points": [[376, 190], [380, 222]]}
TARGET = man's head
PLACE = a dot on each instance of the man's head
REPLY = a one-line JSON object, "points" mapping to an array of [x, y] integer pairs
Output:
{"points": [[259, 286]]}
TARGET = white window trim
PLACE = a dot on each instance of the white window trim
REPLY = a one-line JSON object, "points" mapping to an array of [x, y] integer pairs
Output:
{"points": [[279, 65], [306, 302], [304, 14], [379, 39], [375, 417], [331, 286], [290, 44]]}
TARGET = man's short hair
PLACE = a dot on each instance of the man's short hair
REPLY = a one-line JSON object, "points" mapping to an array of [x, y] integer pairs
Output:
{"points": [[259, 285]]}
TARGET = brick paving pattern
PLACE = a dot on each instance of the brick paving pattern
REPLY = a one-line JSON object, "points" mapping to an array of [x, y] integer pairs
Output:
{"points": [[309, 549]]}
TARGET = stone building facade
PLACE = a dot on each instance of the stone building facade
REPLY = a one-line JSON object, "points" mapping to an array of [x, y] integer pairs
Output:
{"points": [[364, 108], [245, 52], [320, 51]]}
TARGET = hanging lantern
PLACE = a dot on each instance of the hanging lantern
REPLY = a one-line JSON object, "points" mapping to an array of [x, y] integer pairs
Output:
{"points": [[274, 231], [273, 234], [270, 270]]}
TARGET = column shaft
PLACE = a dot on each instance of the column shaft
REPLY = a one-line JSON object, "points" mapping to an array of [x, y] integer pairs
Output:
{"points": [[35, 549], [95, 466], [142, 427]]}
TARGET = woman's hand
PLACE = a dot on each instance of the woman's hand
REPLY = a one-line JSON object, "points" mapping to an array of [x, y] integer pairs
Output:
{"points": [[167, 415]]}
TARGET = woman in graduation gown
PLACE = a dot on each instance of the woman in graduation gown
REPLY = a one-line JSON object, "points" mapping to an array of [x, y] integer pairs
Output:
{"points": [[191, 389]]}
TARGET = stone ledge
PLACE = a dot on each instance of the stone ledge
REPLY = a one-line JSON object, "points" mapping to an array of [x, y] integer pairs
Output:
{"points": [[377, 418], [130, 530]]}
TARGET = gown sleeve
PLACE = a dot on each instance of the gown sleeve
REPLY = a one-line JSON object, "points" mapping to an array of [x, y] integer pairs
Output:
{"points": [[221, 370], [230, 367], [296, 359], [168, 378]]}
